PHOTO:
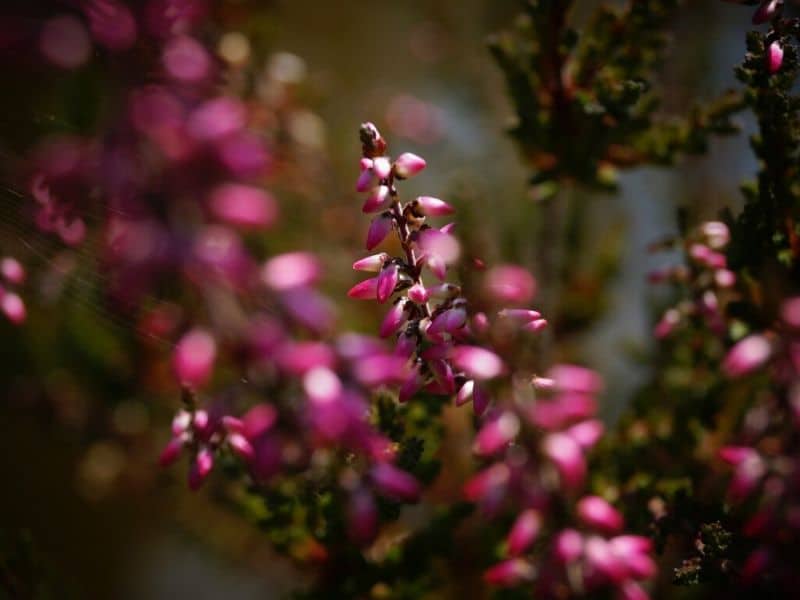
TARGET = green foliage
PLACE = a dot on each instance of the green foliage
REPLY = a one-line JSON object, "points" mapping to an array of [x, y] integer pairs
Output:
{"points": [[597, 86]]}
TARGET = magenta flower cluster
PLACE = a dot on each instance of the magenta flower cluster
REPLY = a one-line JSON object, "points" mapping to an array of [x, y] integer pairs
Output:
{"points": [[535, 432]]}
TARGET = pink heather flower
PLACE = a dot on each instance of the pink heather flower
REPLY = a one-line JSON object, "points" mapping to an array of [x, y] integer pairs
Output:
{"points": [[480, 400], [186, 60], [322, 385], [716, 233], [669, 321], [373, 263], [488, 484], [600, 559], [480, 323], [496, 434], [374, 371], [201, 468], [766, 11], [724, 278], [568, 545], [112, 24], [362, 517], [381, 166], [510, 284], [377, 199], [64, 42], [535, 326], [431, 207], [412, 384], [444, 379], [292, 270], [164, 18], [567, 456], [193, 358], [774, 57], [395, 483], [519, 315], [749, 470], [243, 205], [464, 394], [12, 270], [365, 180], [440, 249], [387, 281], [309, 308], [297, 358], [790, 311], [477, 362], [747, 355], [394, 319], [509, 573], [586, 433], [448, 321], [595, 512], [13, 307], [379, 229], [258, 420], [524, 532], [573, 378], [243, 154], [408, 165], [418, 294], [630, 590], [171, 452], [706, 256], [216, 119], [241, 447], [365, 290]]}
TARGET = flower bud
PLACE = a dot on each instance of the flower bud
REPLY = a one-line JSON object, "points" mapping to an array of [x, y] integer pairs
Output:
{"points": [[496, 434], [524, 532], [395, 483], [12, 270], [431, 207], [201, 468], [13, 307], [448, 321], [376, 200], [595, 512], [418, 294], [291, 270], [381, 166], [379, 229], [387, 281], [766, 11], [568, 545], [364, 290], [774, 57], [568, 458], [394, 319], [747, 355], [509, 573], [241, 447], [408, 164], [171, 452], [477, 362], [193, 358]]}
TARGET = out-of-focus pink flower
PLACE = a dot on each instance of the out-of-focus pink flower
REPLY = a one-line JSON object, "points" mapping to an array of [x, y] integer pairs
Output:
{"points": [[596, 512], [12, 270], [201, 468], [216, 118], [112, 24], [568, 458], [394, 319], [64, 42], [568, 545], [479, 363], [291, 270], [13, 307], [193, 358], [186, 60], [165, 18], [524, 531], [747, 355], [510, 284], [395, 483], [509, 573], [243, 205], [766, 11], [496, 434]]}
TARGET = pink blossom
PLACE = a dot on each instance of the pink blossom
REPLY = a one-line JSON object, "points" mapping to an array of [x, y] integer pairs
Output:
{"points": [[364, 290], [291, 270], [408, 165], [524, 531], [243, 205], [431, 207], [64, 42], [477, 362], [201, 468], [509, 573], [510, 284], [567, 456], [112, 24], [747, 355], [193, 358], [496, 434], [774, 57], [185, 59], [395, 483], [372, 263], [595, 512], [12, 270], [379, 229], [387, 281], [13, 307]]}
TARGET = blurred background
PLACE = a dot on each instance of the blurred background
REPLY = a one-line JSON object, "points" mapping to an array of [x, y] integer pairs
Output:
{"points": [[83, 503]]}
